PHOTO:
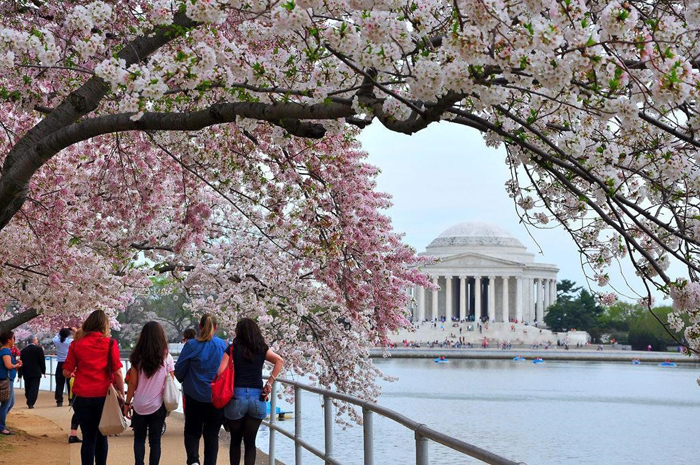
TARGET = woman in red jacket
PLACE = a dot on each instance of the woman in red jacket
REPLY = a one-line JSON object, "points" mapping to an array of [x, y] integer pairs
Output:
{"points": [[94, 357]]}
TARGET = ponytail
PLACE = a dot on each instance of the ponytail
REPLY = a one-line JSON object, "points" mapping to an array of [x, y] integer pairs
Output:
{"points": [[207, 327]]}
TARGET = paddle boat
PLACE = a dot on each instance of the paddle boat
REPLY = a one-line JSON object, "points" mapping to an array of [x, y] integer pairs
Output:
{"points": [[518, 358], [667, 363], [441, 359], [636, 361], [538, 360], [281, 415]]}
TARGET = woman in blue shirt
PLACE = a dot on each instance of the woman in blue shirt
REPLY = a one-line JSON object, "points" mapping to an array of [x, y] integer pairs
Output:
{"points": [[8, 370], [195, 369]]}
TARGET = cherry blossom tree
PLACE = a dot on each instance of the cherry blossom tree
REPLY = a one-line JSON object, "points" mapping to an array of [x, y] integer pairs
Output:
{"points": [[192, 132]]}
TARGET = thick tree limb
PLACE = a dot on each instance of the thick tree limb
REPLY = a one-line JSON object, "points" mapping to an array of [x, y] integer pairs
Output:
{"points": [[19, 319], [14, 182]]}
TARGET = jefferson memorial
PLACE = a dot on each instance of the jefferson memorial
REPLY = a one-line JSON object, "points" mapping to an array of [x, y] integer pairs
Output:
{"points": [[484, 274]]}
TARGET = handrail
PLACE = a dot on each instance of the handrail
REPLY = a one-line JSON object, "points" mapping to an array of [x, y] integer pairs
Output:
{"points": [[422, 432]]}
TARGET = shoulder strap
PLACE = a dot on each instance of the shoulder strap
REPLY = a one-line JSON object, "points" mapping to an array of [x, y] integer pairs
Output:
{"points": [[109, 359]]}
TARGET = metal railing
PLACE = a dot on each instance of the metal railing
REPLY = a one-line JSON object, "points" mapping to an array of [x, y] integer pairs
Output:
{"points": [[423, 434]]}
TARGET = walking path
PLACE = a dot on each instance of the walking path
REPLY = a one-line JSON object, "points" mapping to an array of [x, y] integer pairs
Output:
{"points": [[42, 437], [553, 353]]}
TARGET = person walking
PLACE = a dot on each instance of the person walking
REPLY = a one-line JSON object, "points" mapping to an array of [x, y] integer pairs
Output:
{"points": [[62, 341], [195, 369], [151, 364], [93, 358], [8, 371], [33, 368], [247, 408]]}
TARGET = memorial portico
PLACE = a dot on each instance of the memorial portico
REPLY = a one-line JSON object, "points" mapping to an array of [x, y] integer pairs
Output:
{"points": [[484, 273]]}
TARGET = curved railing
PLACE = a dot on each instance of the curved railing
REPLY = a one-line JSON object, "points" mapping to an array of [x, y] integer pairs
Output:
{"points": [[423, 434]]}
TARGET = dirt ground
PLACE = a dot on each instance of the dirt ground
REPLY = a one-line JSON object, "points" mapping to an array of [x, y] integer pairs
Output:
{"points": [[40, 436]]}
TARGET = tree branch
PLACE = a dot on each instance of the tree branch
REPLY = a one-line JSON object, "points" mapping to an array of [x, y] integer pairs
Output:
{"points": [[19, 319]]}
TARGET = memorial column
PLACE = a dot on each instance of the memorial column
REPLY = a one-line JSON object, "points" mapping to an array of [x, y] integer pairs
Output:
{"points": [[553, 291], [530, 299], [434, 309], [519, 299], [462, 298], [505, 313], [421, 303], [448, 298], [540, 301], [477, 298], [492, 298]]}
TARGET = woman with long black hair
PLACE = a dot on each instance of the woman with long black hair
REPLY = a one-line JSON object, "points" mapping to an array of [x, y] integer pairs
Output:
{"points": [[246, 410], [151, 364]]}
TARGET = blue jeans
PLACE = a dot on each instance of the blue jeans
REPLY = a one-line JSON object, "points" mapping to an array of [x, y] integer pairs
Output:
{"points": [[5, 407], [246, 401]]}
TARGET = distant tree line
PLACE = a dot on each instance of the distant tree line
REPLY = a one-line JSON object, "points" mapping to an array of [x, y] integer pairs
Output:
{"points": [[622, 322]]}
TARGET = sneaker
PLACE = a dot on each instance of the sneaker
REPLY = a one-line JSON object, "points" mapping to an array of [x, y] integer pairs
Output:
{"points": [[59, 404], [74, 440]]}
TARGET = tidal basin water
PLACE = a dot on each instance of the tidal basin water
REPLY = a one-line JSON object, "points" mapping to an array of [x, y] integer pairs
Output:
{"points": [[551, 413]]}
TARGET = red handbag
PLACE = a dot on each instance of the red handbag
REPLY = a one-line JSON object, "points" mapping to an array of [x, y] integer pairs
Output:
{"points": [[222, 385]]}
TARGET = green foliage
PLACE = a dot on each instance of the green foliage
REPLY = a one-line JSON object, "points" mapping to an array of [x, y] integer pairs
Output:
{"points": [[162, 304], [575, 308], [645, 330], [617, 317]]}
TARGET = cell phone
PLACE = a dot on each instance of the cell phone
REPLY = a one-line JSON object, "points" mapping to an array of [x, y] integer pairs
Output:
{"points": [[263, 397]]}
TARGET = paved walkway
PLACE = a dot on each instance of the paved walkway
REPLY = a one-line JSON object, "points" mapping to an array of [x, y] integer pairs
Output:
{"points": [[553, 353], [48, 426]]}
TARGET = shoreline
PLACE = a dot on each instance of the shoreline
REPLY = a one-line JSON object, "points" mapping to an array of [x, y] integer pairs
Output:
{"points": [[529, 354]]}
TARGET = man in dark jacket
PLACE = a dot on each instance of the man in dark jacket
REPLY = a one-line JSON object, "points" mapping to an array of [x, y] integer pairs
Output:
{"points": [[33, 368]]}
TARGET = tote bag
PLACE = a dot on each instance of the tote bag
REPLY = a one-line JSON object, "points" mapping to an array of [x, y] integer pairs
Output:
{"points": [[222, 385], [112, 420], [171, 395], [4, 390]]}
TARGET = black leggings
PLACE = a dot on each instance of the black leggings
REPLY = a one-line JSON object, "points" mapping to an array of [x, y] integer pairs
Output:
{"points": [[150, 425], [94, 448], [245, 429], [62, 383]]}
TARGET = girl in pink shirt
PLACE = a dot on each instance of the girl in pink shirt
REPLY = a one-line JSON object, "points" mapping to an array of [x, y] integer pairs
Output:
{"points": [[151, 364]]}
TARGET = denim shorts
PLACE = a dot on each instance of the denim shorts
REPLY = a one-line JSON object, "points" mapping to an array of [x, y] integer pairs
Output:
{"points": [[246, 401]]}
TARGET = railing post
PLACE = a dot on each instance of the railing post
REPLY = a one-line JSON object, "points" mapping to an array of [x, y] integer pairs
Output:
{"points": [[273, 417], [51, 374], [421, 449], [328, 423], [368, 430], [297, 425]]}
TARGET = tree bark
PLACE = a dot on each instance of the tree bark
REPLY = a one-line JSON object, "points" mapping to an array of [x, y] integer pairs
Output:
{"points": [[24, 159], [19, 319]]}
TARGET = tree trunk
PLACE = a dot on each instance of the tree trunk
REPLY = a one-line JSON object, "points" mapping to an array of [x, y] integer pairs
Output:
{"points": [[16, 320]]}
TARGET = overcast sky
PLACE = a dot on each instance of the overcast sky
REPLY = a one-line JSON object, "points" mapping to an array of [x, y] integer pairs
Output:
{"points": [[445, 175]]}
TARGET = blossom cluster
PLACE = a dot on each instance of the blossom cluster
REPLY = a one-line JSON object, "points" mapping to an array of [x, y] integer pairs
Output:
{"points": [[594, 102]]}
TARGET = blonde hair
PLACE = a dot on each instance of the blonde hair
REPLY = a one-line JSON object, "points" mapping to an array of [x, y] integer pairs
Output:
{"points": [[97, 322], [207, 327]]}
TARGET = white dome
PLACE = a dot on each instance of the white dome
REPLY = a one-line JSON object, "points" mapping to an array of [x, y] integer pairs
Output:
{"points": [[475, 233]]}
